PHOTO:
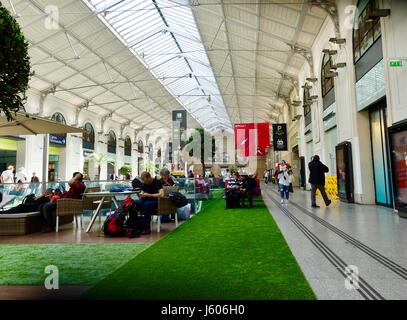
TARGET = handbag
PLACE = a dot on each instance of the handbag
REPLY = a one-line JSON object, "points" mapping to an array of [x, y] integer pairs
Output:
{"points": [[290, 188]]}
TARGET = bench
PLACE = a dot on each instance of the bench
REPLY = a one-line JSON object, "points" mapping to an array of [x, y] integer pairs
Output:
{"points": [[19, 223]]}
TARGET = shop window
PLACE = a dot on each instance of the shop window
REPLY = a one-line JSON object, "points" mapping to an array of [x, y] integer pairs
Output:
{"points": [[140, 148], [366, 32], [111, 142], [127, 146], [88, 137], [307, 105], [327, 83], [59, 139]]}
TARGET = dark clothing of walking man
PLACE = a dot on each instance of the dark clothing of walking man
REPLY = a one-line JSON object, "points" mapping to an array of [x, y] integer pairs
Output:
{"points": [[317, 180]]}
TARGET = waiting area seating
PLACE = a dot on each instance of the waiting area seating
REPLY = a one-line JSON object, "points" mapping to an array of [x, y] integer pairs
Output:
{"points": [[67, 210], [166, 207]]}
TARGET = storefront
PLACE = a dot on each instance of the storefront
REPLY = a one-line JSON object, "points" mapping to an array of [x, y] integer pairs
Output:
{"points": [[127, 151], [140, 152], [329, 114], [111, 154], [8, 152], [53, 163], [370, 96], [398, 147], [88, 146], [57, 145]]}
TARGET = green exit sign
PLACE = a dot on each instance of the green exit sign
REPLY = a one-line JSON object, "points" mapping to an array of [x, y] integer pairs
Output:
{"points": [[396, 63]]}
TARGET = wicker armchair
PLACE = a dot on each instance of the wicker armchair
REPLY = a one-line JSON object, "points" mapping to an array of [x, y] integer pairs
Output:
{"points": [[66, 210], [166, 207]]}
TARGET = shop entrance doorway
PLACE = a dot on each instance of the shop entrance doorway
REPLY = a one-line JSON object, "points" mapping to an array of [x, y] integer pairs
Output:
{"points": [[378, 132]]}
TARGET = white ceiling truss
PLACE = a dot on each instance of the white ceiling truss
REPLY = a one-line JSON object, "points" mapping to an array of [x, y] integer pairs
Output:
{"points": [[224, 61]]}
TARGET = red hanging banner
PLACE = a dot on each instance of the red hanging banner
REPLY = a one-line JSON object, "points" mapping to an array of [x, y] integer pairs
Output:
{"points": [[252, 139]]}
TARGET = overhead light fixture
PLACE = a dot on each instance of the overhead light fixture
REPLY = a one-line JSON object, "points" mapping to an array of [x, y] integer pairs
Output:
{"points": [[15, 14], [377, 14], [306, 86], [338, 65], [331, 74], [330, 52], [312, 79], [337, 40]]}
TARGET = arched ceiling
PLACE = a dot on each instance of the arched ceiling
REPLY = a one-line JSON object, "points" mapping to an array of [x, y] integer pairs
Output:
{"points": [[224, 61]]}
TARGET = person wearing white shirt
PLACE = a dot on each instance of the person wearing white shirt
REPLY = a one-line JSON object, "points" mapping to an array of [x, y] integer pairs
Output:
{"points": [[7, 176], [283, 181], [21, 175]]}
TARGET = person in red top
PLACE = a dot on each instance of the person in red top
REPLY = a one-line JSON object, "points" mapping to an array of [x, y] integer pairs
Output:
{"points": [[76, 189], [57, 195]]}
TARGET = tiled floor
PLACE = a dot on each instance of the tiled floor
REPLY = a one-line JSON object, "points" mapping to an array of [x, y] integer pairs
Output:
{"points": [[358, 235]]}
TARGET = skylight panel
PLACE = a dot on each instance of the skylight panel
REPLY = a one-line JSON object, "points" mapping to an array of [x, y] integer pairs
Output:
{"points": [[165, 38]]}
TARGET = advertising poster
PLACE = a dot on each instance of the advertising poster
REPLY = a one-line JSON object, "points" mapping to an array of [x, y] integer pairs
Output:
{"points": [[399, 143], [280, 137], [341, 170], [179, 121]]}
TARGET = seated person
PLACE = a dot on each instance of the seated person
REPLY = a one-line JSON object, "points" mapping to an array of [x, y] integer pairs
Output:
{"points": [[76, 189], [31, 206], [166, 179], [152, 190], [137, 184], [248, 189], [57, 195], [236, 181]]}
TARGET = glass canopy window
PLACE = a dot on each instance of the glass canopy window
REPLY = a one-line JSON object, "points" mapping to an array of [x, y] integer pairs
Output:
{"points": [[164, 36]]}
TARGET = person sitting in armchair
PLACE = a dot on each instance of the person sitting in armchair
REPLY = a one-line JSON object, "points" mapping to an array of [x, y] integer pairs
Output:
{"points": [[249, 190]]}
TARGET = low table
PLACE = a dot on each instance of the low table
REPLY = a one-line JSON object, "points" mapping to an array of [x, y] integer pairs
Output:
{"points": [[103, 195]]}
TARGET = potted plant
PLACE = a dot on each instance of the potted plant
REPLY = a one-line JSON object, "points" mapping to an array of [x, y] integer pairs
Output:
{"points": [[14, 65], [98, 159], [125, 170]]}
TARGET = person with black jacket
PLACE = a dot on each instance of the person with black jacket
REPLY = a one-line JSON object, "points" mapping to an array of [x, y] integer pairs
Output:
{"points": [[317, 180]]}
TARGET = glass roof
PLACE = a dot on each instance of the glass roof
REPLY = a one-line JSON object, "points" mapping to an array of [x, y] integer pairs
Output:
{"points": [[164, 36]]}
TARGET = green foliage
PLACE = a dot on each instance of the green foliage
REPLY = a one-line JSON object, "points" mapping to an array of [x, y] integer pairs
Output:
{"points": [[14, 65], [125, 170], [232, 169], [98, 158], [149, 166], [204, 136]]}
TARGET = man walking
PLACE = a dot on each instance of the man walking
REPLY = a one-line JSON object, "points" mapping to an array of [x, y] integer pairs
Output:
{"points": [[317, 180]]}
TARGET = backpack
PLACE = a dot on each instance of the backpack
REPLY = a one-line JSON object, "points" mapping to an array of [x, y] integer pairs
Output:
{"points": [[233, 197], [114, 223], [29, 198], [178, 199]]}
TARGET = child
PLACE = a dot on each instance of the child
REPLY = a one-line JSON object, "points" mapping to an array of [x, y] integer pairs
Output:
{"points": [[57, 195]]}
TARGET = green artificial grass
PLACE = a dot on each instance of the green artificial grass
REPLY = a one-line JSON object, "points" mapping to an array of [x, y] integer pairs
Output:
{"points": [[78, 264], [218, 254]]}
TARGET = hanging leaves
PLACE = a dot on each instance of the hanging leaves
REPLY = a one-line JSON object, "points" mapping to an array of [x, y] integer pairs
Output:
{"points": [[14, 65]]}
